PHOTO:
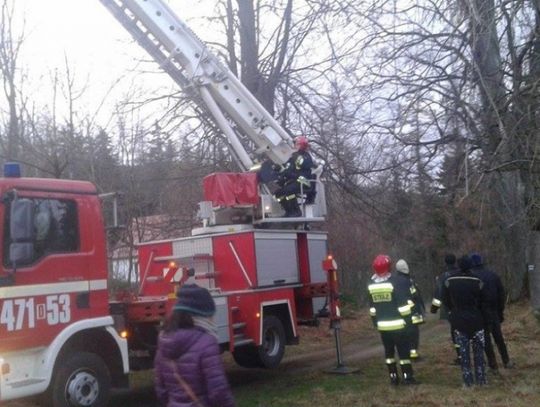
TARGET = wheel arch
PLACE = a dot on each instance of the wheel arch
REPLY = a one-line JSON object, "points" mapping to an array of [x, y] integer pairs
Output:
{"points": [[100, 342], [283, 311], [94, 335]]}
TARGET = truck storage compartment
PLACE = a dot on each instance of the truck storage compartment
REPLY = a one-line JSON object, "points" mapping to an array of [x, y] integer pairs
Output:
{"points": [[276, 256], [317, 244]]}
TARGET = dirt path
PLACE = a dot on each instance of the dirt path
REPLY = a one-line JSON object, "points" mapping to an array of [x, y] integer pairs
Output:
{"points": [[353, 352], [323, 358]]}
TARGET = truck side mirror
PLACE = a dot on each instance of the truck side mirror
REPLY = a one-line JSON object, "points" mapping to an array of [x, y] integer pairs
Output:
{"points": [[21, 229]]}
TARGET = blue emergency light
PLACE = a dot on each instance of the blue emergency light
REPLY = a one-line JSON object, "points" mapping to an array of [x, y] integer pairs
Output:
{"points": [[12, 170]]}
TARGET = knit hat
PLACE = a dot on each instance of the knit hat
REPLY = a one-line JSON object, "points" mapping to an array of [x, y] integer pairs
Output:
{"points": [[465, 263], [450, 259], [195, 300], [402, 266], [476, 259]]}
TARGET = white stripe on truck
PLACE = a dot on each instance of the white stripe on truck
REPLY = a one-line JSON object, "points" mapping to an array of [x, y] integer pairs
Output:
{"points": [[52, 288]]}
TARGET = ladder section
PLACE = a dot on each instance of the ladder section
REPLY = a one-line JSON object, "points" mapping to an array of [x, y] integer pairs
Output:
{"points": [[237, 325], [192, 66]]}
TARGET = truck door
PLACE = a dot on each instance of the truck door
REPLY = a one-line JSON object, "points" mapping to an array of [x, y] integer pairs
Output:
{"points": [[45, 269]]}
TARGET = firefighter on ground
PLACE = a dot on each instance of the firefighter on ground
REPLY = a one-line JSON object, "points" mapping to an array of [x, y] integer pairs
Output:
{"points": [[418, 307], [391, 312], [493, 313], [436, 304], [295, 177]]}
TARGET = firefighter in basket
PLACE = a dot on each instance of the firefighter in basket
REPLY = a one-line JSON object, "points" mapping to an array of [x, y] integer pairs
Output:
{"points": [[390, 311], [295, 177]]}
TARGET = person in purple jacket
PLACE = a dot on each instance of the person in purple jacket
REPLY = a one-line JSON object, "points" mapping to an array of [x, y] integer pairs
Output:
{"points": [[188, 367]]}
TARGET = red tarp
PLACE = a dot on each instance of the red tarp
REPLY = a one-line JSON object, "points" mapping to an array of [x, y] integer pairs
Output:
{"points": [[231, 188]]}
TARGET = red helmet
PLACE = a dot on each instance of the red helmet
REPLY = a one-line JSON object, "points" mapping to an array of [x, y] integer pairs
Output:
{"points": [[381, 264], [301, 143]]}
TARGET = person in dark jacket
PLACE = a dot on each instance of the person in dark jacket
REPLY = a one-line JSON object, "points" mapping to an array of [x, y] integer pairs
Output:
{"points": [[390, 312], [494, 312], [464, 295], [436, 303], [188, 367], [418, 307], [296, 176]]}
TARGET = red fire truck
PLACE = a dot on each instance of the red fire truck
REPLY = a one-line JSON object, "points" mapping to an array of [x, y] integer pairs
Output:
{"points": [[61, 334]]}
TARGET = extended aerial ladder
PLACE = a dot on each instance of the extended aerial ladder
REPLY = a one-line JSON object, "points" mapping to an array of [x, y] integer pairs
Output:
{"points": [[248, 127]]}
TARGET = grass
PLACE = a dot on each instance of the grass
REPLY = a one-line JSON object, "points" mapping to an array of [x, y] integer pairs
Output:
{"points": [[300, 382], [441, 381], [301, 379]]}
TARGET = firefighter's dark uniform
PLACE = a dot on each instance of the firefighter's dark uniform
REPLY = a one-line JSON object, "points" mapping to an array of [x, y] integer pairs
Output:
{"points": [[463, 294], [295, 177], [390, 311], [417, 313]]}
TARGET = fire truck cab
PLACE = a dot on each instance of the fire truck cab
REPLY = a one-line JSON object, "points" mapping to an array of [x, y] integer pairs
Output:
{"points": [[56, 329]]}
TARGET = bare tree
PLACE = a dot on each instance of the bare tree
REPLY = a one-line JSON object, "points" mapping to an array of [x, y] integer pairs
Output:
{"points": [[10, 46], [467, 66]]}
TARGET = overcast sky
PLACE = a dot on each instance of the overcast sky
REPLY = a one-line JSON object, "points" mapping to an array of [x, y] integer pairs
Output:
{"points": [[98, 49], [83, 29]]}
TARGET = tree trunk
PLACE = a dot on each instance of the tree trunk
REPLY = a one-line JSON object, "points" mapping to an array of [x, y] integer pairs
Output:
{"points": [[249, 49], [508, 200], [262, 74], [533, 268], [230, 38], [511, 215]]}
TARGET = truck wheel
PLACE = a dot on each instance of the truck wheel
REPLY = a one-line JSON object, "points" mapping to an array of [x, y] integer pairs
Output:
{"points": [[246, 356], [83, 380], [272, 347]]}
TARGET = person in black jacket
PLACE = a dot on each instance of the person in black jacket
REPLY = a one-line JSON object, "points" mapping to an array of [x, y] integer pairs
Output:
{"points": [[296, 176], [390, 312], [494, 312], [436, 303], [464, 295], [418, 307]]}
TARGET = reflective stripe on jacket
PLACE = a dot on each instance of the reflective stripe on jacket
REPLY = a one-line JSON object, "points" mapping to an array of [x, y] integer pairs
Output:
{"points": [[389, 307]]}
